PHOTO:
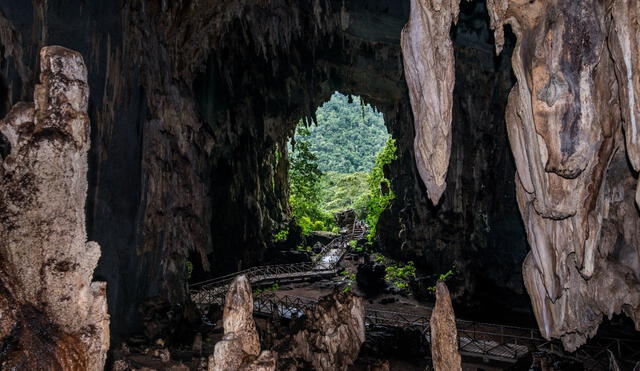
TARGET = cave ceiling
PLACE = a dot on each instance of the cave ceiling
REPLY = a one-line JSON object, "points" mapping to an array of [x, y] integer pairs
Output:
{"points": [[190, 101]]}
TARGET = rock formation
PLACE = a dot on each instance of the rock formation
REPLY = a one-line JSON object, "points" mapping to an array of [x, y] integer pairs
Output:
{"points": [[332, 334], [185, 140], [476, 225], [429, 70], [444, 334], [574, 66], [51, 314], [195, 99], [239, 349]]}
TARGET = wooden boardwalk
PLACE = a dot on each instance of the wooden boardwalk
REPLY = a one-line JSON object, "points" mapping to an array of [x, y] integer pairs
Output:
{"points": [[475, 339], [324, 265]]}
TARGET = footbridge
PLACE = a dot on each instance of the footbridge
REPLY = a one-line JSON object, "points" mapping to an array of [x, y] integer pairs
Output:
{"points": [[489, 342], [325, 264], [485, 341]]}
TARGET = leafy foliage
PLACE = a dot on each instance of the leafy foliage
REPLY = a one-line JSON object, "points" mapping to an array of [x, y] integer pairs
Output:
{"points": [[281, 235], [399, 276], [304, 186], [348, 279], [380, 192], [347, 138], [273, 288], [345, 191], [348, 135], [443, 277]]}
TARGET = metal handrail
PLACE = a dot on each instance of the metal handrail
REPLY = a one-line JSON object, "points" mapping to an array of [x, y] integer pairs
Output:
{"points": [[209, 289], [480, 338]]}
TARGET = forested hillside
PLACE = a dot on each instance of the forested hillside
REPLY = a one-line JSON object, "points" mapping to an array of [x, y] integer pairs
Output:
{"points": [[348, 135], [338, 164]]}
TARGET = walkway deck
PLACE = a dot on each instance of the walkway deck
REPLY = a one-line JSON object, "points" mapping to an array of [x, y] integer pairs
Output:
{"points": [[482, 340]]}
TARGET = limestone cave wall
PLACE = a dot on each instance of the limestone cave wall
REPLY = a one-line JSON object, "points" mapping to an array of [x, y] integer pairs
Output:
{"points": [[190, 101]]}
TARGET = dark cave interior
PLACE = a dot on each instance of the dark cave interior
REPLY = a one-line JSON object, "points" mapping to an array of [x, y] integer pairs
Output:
{"points": [[190, 103], [183, 137]]}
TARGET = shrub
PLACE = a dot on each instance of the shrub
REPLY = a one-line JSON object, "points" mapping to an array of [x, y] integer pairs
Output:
{"points": [[399, 276], [281, 235], [443, 277]]}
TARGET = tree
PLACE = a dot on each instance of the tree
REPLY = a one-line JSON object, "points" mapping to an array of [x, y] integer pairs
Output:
{"points": [[304, 186], [348, 135]]}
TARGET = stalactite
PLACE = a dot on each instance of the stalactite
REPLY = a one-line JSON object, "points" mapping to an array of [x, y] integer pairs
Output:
{"points": [[624, 41], [563, 124], [430, 74]]}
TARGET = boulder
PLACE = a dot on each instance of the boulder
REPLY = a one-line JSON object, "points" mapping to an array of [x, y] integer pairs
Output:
{"points": [[371, 278], [345, 219], [332, 334], [322, 237]]}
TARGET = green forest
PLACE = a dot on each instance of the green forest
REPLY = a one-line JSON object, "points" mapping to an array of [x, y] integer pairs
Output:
{"points": [[337, 165], [348, 135]]}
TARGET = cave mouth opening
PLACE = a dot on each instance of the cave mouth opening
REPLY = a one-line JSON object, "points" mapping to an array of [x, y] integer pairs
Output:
{"points": [[253, 119], [336, 165]]}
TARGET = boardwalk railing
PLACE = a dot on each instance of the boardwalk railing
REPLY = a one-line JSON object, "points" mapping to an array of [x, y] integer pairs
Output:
{"points": [[475, 339], [483, 340], [324, 264]]}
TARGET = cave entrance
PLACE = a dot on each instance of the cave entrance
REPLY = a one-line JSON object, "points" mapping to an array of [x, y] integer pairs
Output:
{"points": [[337, 165]]}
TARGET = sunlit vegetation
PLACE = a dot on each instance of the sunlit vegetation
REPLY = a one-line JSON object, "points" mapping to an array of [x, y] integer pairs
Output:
{"points": [[348, 135], [281, 235], [380, 192], [338, 165], [397, 274], [304, 187]]}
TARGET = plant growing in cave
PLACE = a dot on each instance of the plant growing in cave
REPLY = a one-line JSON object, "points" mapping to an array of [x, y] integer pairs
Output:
{"points": [[380, 190], [400, 275], [348, 278], [189, 266], [281, 235], [273, 288], [443, 277]]}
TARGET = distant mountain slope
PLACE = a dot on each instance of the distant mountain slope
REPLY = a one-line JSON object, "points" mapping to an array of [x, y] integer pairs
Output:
{"points": [[348, 135]]}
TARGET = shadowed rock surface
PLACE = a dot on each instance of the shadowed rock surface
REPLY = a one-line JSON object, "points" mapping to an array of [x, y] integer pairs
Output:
{"points": [[239, 349], [193, 102], [51, 314], [332, 333], [565, 120], [444, 335]]}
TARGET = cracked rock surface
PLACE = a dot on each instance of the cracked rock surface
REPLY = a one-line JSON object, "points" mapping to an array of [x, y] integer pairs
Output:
{"points": [[51, 313]]}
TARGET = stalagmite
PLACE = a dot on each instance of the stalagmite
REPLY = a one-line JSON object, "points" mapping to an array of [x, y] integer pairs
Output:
{"points": [[239, 349], [563, 122], [51, 314], [444, 335], [429, 69]]}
